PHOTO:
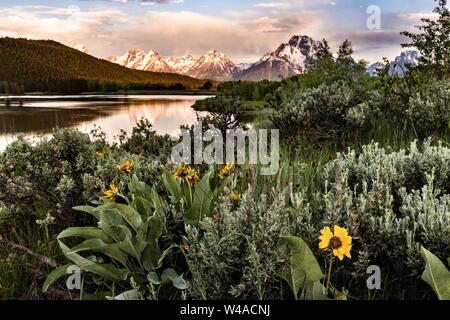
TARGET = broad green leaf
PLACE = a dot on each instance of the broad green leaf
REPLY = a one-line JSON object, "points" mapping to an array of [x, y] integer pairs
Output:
{"points": [[143, 206], [54, 276], [201, 202], [151, 256], [85, 233], [157, 203], [87, 209], [111, 217], [172, 187], [133, 246], [171, 275], [107, 271], [130, 215], [118, 233], [127, 295], [97, 245], [316, 291], [153, 278], [436, 275], [303, 267]]}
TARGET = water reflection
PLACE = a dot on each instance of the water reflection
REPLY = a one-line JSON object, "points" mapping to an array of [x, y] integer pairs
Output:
{"points": [[37, 117]]}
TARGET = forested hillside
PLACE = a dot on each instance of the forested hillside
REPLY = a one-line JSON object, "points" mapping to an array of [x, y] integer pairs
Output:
{"points": [[36, 65]]}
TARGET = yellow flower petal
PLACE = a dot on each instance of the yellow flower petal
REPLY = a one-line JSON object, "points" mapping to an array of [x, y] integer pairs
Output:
{"points": [[325, 238], [339, 254]]}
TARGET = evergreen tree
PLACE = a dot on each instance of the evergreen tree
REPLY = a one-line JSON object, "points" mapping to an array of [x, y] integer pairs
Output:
{"points": [[322, 50], [345, 51]]}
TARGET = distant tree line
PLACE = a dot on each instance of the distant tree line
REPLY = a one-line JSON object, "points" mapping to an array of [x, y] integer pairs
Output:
{"points": [[48, 66]]}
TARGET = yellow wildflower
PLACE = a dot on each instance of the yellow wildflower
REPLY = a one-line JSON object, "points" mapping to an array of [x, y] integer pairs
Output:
{"points": [[225, 172], [236, 197], [338, 241], [184, 247], [100, 154], [111, 193], [188, 173], [127, 166]]}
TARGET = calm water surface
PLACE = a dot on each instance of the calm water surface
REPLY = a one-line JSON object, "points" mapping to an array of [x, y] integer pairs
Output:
{"points": [[36, 117]]}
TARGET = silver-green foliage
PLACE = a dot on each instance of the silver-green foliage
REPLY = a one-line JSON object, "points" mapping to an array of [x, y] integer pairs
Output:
{"points": [[234, 254], [328, 111], [391, 202]]}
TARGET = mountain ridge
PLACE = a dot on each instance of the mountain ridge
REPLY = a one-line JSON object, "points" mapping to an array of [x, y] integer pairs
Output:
{"points": [[46, 65]]}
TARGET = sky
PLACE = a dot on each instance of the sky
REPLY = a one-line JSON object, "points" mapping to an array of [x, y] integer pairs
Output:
{"points": [[243, 29]]}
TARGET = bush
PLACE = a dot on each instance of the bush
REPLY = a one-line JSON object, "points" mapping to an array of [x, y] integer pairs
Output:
{"points": [[392, 203], [327, 112], [429, 109]]}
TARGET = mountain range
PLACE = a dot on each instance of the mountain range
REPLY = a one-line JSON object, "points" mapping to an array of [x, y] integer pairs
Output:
{"points": [[290, 58]]}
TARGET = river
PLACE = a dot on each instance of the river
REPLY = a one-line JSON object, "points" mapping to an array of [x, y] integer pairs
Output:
{"points": [[35, 117]]}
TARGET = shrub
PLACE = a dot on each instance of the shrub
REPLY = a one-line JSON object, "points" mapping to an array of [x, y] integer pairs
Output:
{"points": [[326, 112], [429, 109], [392, 203]]}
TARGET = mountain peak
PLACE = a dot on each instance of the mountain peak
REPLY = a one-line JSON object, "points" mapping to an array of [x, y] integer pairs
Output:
{"points": [[213, 65], [290, 58]]}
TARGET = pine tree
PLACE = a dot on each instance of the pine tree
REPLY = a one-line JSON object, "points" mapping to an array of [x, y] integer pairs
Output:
{"points": [[322, 50], [345, 50]]}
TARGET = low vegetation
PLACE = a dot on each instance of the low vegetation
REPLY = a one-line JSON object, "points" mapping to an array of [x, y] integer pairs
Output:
{"points": [[364, 181]]}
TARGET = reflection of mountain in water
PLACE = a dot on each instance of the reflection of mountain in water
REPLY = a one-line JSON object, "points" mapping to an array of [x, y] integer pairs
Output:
{"points": [[166, 115]]}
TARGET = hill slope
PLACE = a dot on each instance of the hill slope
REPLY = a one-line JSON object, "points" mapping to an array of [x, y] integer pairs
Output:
{"points": [[43, 65]]}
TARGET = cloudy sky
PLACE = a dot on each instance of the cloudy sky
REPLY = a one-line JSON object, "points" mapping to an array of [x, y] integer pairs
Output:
{"points": [[243, 29]]}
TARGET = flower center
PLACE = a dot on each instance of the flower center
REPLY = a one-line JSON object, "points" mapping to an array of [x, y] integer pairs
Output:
{"points": [[335, 243]]}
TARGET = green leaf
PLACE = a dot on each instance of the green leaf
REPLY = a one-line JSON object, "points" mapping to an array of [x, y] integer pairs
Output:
{"points": [[201, 202], [316, 291], [143, 206], [85, 233], [303, 268], [118, 233], [87, 209], [130, 215], [171, 275], [157, 203], [110, 216], [54, 276], [107, 271], [153, 278], [97, 245], [172, 187], [436, 275]]}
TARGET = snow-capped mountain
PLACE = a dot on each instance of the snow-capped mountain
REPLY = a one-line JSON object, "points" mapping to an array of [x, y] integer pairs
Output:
{"points": [[291, 58], [400, 64], [213, 65], [244, 66], [373, 69], [141, 60], [77, 46], [181, 64]]}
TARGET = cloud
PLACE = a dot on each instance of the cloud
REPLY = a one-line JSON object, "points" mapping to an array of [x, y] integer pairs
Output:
{"points": [[150, 1], [274, 5], [112, 31], [244, 35]]}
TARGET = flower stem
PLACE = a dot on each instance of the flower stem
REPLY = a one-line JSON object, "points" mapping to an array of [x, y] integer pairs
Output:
{"points": [[329, 274]]}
